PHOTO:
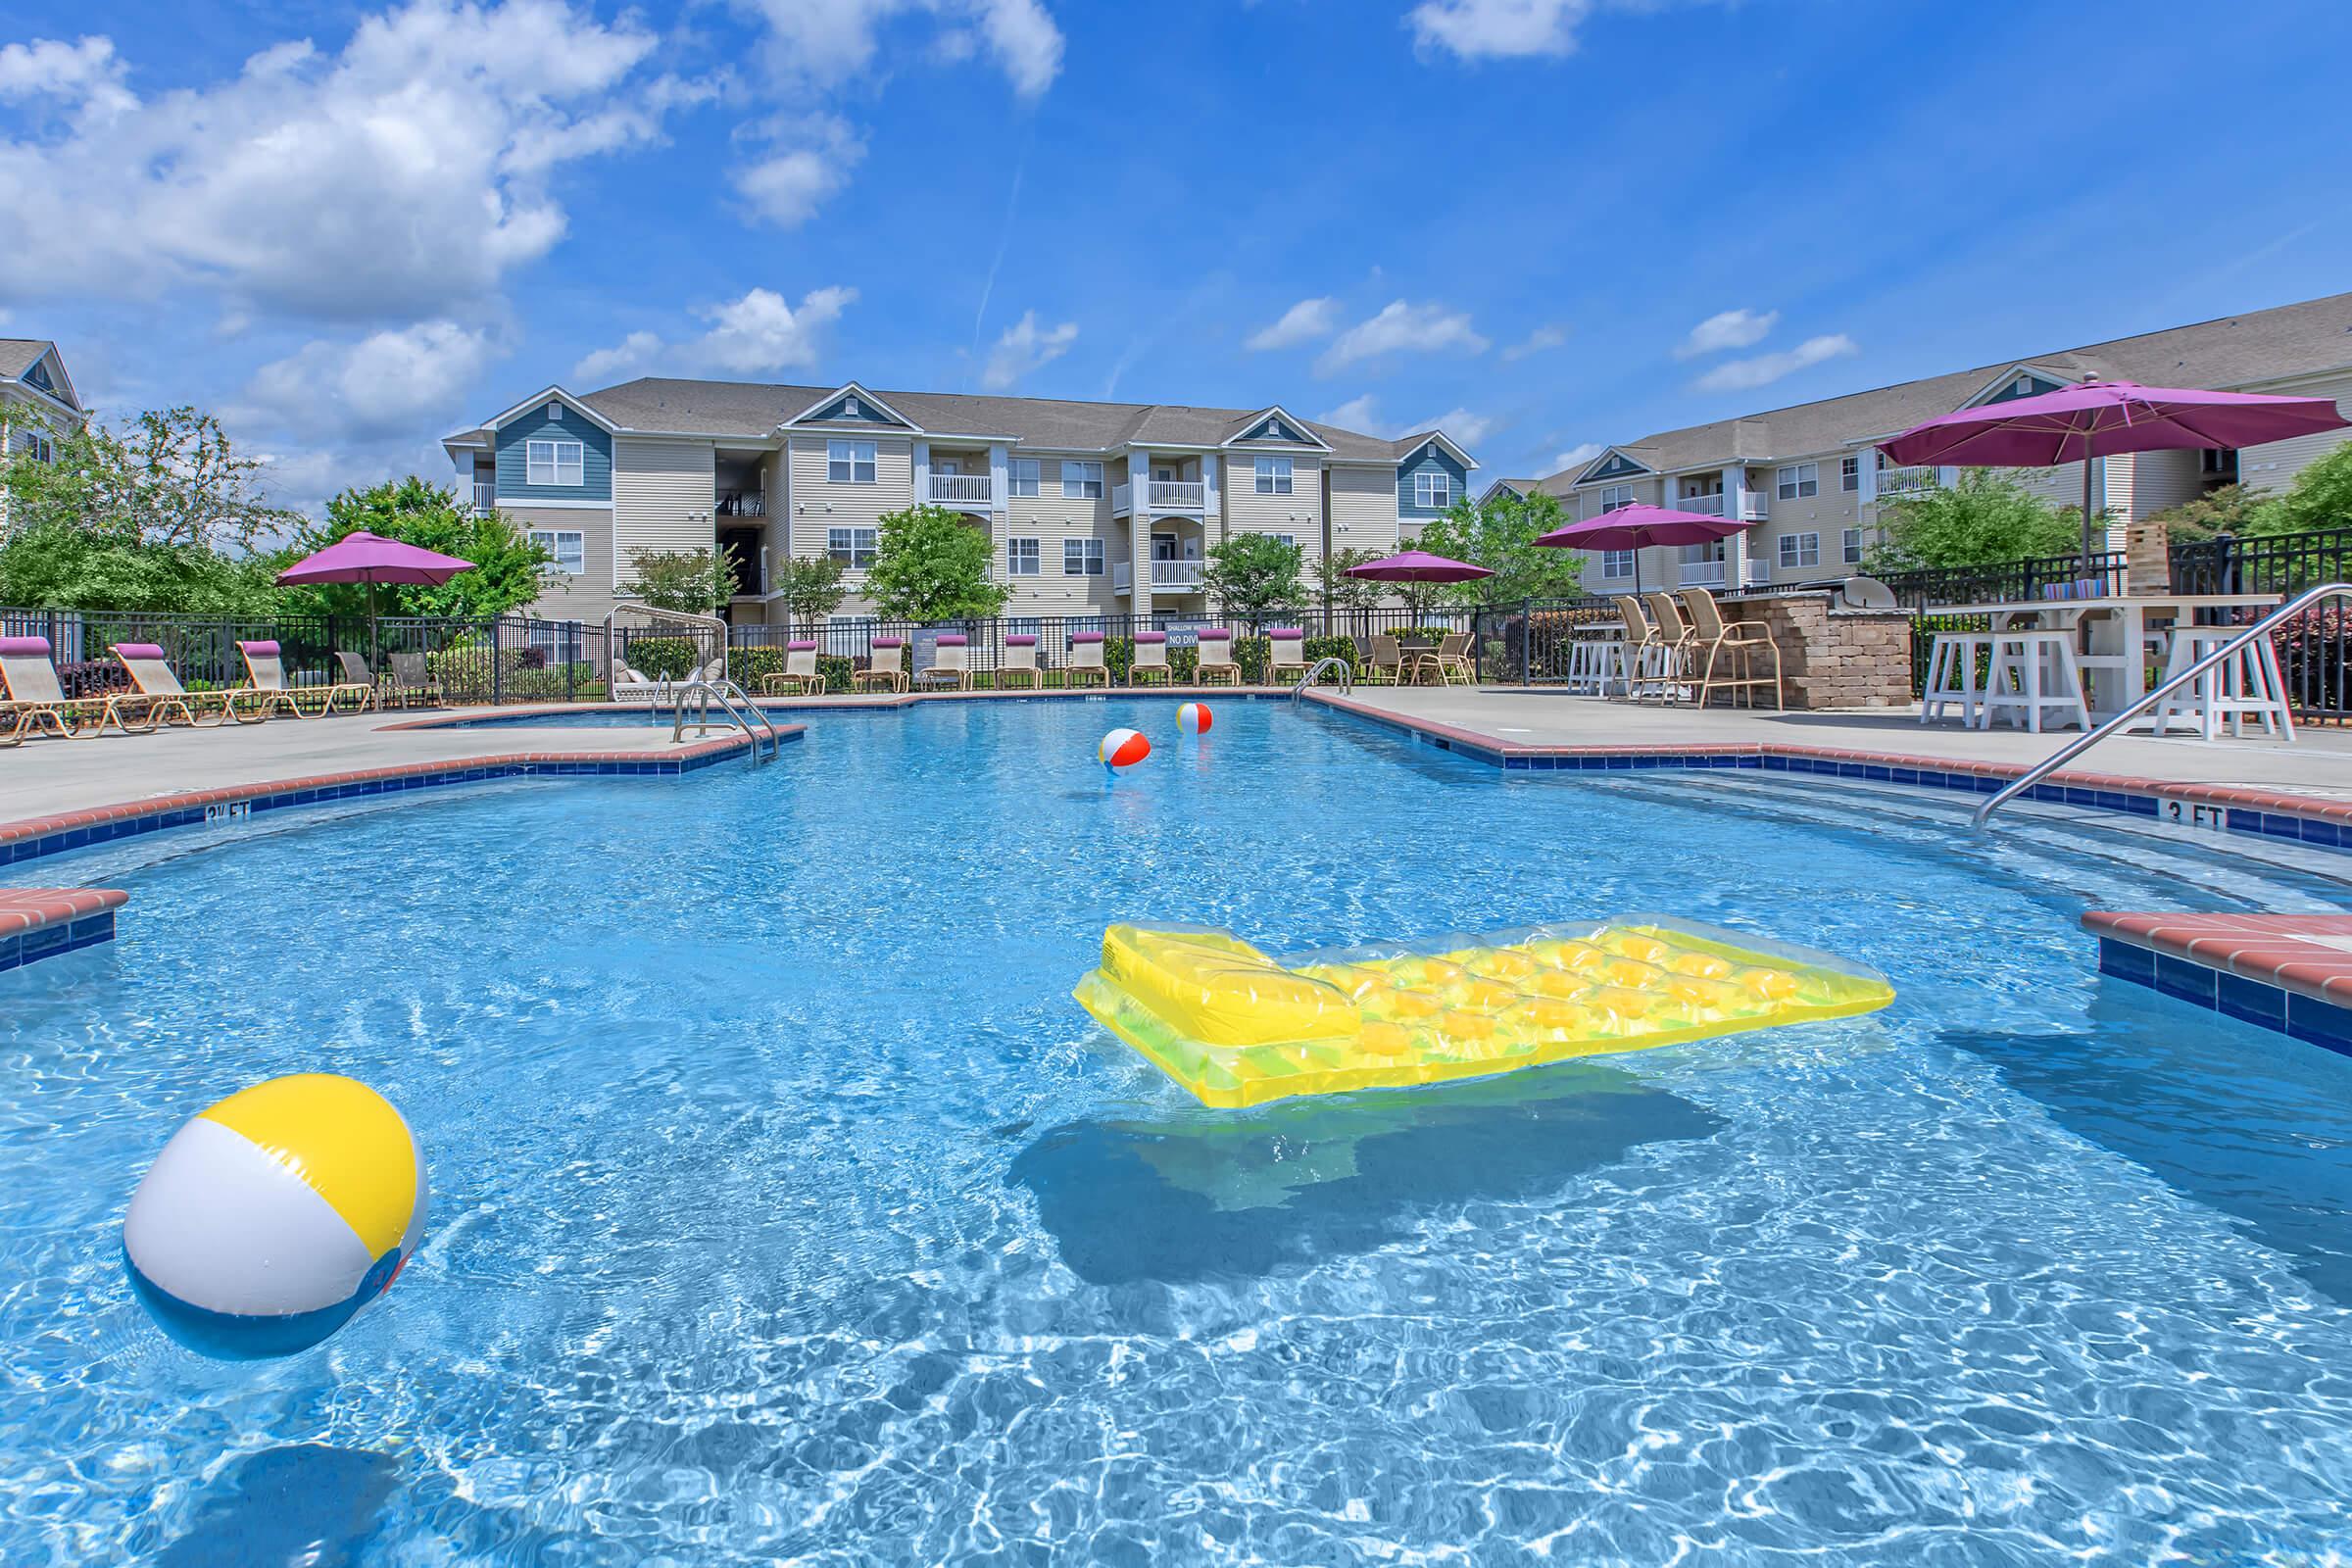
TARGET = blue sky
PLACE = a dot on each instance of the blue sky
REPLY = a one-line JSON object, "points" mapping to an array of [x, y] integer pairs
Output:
{"points": [[1551, 222]]}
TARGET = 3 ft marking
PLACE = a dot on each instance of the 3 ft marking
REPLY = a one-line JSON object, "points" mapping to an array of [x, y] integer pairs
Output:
{"points": [[230, 811], [2179, 812]]}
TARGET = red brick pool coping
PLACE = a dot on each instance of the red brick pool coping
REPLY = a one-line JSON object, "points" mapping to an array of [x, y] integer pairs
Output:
{"points": [[24, 910], [2274, 950]]}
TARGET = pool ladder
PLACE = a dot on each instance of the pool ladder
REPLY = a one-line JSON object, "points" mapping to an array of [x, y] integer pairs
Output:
{"points": [[1346, 668], [734, 702]]}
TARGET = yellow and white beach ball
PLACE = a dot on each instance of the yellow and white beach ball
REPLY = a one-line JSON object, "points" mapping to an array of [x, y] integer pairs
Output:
{"points": [[1192, 719], [273, 1218]]}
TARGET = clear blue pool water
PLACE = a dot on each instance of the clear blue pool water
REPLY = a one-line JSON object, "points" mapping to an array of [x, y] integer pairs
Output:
{"points": [[785, 1208]]}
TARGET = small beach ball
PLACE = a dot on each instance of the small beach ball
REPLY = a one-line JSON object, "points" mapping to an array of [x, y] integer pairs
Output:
{"points": [[273, 1218], [1122, 747], [1194, 718]]}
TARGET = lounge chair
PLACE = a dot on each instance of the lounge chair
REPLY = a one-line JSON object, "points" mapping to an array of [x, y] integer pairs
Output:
{"points": [[1286, 651], [169, 701], [885, 665], [951, 663], [266, 680], [36, 701], [411, 678], [357, 673], [1085, 658], [1744, 640], [1216, 667], [800, 676], [1151, 658], [1019, 667]]}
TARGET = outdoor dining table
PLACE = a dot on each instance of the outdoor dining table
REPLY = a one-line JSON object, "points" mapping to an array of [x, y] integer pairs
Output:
{"points": [[2112, 654]]}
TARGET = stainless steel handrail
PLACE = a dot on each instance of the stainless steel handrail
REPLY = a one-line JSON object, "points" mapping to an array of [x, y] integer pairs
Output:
{"points": [[1346, 668], [726, 691], [2084, 743]]}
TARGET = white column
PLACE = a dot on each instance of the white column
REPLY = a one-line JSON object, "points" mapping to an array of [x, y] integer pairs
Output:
{"points": [[1735, 548], [1212, 503], [1139, 530], [999, 477], [923, 471], [462, 462]]}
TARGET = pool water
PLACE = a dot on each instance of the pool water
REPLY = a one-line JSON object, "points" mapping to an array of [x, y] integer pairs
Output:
{"points": [[785, 1208]]}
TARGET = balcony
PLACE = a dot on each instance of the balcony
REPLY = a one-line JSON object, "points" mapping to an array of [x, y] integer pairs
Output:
{"points": [[1754, 506], [1161, 494], [1704, 573], [1703, 505], [485, 497], [962, 489], [1896, 483], [1168, 576]]}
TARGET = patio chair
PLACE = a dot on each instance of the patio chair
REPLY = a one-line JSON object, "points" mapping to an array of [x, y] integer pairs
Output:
{"points": [[1744, 640], [951, 664], [36, 700], [1085, 658], [1150, 662], [170, 702], [357, 673], [885, 666], [1386, 661], [1019, 667], [411, 679], [1216, 667], [266, 679], [1675, 642], [800, 676], [1286, 652], [1643, 651], [1452, 657]]}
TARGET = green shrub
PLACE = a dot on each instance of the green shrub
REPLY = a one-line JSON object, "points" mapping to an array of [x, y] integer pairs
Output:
{"points": [[661, 657], [1333, 648], [1184, 664], [1118, 657], [836, 670], [747, 666], [1251, 654]]}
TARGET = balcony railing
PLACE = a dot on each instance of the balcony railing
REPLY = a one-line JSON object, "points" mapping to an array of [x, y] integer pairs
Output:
{"points": [[1900, 483], [1704, 506], [485, 497], [1754, 506], [1123, 498], [1703, 573], [1177, 574], [964, 488], [1122, 577], [1188, 495]]}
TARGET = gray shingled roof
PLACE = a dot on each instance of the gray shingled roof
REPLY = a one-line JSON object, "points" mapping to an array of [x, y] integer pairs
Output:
{"points": [[752, 410], [17, 354], [2231, 351]]}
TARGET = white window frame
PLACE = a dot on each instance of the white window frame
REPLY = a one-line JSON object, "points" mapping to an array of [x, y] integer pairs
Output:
{"points": [[545, 463], [1433, 487], [1615, 498], [1798, 551], [1024, 557], [1080, 481], [1274, 477], [1850, 474], [553, 541], [1796, 481], [1082, 558], [1023, 475], [1616, 564], [555, 413], [1289, 539], [849, 461], [843, 543], [1852, 547]]}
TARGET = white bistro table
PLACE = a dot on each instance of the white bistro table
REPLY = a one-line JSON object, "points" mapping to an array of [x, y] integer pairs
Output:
{"points": [[2111, 651]]}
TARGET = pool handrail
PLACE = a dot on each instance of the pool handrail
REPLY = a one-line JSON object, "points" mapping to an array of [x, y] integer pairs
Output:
{"points": [[2084, 741], [1346, 668], [727, 693]]}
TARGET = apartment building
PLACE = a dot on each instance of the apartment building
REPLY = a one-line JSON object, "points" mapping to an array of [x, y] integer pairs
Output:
{"points": [[1090, 508], [1812, 481], [37, 402]]}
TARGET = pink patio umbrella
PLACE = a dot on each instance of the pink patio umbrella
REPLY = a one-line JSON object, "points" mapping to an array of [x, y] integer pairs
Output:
{"points": [[372, 558], [2101, 418], [1418, 565], [1638, 526]]}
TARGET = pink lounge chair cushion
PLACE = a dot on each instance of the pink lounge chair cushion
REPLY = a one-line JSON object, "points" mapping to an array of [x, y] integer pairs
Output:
{"points": [[1284, 634], [24, 647], [953, 640], [139, 650], [1215, 634], [1151, 636], [267, 650], [1086, 636], [1020, 642], [798, 647], [890, 642]]}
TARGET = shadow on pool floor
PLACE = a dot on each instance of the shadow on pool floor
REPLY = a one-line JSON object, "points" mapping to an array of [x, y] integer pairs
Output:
{"points": [[303, 1504], [1223, 1193]]}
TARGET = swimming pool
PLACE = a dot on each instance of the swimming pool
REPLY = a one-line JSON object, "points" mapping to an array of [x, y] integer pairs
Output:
{"points": [[786, 1208]]}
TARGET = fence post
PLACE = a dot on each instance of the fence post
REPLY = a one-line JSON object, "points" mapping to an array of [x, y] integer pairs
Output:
{"points": [[497, 674]]}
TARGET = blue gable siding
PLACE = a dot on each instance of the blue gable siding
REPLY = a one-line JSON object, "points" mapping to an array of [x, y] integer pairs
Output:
{"points": [[39, 375], [596, 457], [1275, 430], [866, 413], [1431, 456], [2035, 386], [1616, 467]]}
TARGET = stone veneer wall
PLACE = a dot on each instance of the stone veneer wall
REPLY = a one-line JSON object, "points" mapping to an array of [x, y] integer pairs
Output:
{"points": [[1833, 656]]}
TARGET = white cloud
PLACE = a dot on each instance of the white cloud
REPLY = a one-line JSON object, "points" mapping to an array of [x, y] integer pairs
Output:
{"points": [[1024, 347], [402, 175], [1727, 329], [825, 43], [1535, 342], [1460, 426], [1357, 413], [381, 385], [1477, 30], [1301, 322], [1399, 329], [1738, 375], [787, 188], [1362, 413], [758, 334], [1576, 457]]}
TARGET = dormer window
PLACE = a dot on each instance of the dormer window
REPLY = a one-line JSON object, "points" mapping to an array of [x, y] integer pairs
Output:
{"points": [[554, 411], [2024, 384], [849, 408]]}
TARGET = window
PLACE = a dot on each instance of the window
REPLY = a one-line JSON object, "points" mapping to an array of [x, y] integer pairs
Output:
{"points": [[1432, 489], [554, 411], [1849, 473], [1273, 477], [1616, 562], [1082, 558], [1853, 547], [566, 545], [947, 465], [1615, 495], [554, 463], [1800, 550], [1023, 625], [850, 461], [1024, 477], [1289, 539], [1080, 481], [1020, 557], [1799, 479], [35, 446], [849, 408], [854, 548]]}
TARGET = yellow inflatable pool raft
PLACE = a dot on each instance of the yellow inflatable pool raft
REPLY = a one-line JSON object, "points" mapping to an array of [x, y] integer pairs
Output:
{"points": [[1238, 1028]]}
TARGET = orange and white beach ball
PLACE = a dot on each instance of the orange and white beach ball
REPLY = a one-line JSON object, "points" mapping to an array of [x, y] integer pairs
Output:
{"points": [[1122, 747], [1194, 718]]}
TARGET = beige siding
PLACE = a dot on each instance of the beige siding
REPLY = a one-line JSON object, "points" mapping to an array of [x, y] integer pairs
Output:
{"points": [[1299, 514], [2274, 468], [818, 504], [662, 499], [2164, 479], [586, 597], [1363, 509], [1050, 519]]}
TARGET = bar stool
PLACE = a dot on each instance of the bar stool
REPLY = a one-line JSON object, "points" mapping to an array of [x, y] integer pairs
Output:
{"points": [[2245, 685], [1952, 676], [2034, 670], [1596, 661]]}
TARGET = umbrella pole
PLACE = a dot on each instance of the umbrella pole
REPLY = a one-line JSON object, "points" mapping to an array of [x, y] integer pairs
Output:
{"points": [[371, 655], [2087, 461]]}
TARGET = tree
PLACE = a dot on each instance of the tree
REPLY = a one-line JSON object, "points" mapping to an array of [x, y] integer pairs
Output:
{"points": [[930, 565], [168, 478], [56, 566], [2321, 498], [692, 582], [2228, 509], [509, 566], [811, 588], [1985, 520], [1335, 590], [1500, 535], [1253, 575]]}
